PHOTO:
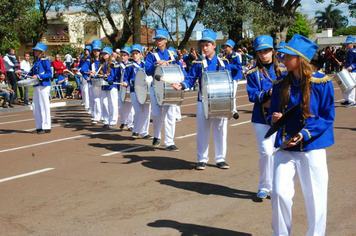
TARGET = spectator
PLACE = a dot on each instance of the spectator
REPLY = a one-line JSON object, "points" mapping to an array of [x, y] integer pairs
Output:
{"points": [[63, 82], [25, 67], [11, 65], [6, 91], [2, 65], [75, 64], [58, 66], [69, 60]]}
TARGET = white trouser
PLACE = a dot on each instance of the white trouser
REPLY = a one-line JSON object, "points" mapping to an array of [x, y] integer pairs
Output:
{"points": [[126, 112], [350, 95], [235, 83], [41, 109], [96, 102], [168, 116], [219, 126], [178, 113], [110, 106], [84, 87], [141, 117], [265, 162], [313, 175]]}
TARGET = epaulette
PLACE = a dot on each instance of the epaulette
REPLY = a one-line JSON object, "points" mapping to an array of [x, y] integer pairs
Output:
{"points": [[319, 78], [234, 54], [278, 80], [129, 64], [251, 70], [321, 71], [197, 61], [44, 58], [88, 59]]}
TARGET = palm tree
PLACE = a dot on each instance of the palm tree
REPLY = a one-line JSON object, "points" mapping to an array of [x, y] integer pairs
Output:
{"points": [[330, 18]]}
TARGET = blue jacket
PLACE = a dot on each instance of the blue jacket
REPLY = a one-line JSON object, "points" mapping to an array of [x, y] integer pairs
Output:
{"points": [[235, 66], [351, 59], [197, 70], [151, 61], [42, 68], [258, 83], [115, 67], [130, 74], [318, 132], [85, 68]]}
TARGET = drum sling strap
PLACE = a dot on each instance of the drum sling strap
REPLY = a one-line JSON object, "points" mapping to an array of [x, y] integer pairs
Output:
{"points": [[158, 58]]}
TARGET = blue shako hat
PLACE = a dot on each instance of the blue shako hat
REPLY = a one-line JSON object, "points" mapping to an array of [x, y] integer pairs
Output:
{"points": [[281, 45], [172, 49], [208, 35], [97, 44], [229, 43], [107, 50], [136, 47], [126, 49], [161, 34], [40, 47], [300, 46], [349, 39], [88, 47], [263, 42]]}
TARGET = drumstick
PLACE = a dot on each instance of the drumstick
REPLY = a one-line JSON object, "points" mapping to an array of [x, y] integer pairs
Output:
{"points": [[336, 59], [118, 83], [69, 71], [159, 78]]}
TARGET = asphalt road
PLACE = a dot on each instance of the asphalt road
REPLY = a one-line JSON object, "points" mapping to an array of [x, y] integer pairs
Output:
{"points": [[82, 179]]}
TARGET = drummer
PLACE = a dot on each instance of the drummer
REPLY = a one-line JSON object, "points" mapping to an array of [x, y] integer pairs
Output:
{"points": [[161, 57], [210, 62], [110, 103], [235, 66], [142, 112], [259, 88], [42, 72], [83, 67], [95, 92], [305, 155], [350, 65], [126, 110]]}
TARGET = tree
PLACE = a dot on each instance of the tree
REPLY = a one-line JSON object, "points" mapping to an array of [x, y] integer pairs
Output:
{"points": [[300, 26], [351, 3], [351, 30], [331, 18]]}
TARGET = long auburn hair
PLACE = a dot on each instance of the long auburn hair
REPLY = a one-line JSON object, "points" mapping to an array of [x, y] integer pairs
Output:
{"points": [[275, 62], [306, 72], [102, 63]]}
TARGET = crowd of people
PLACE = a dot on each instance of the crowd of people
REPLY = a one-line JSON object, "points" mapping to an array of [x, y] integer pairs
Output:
{"points": [[279, 80]]}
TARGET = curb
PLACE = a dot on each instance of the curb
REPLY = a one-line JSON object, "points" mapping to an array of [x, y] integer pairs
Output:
{"points": [[51, 105]]}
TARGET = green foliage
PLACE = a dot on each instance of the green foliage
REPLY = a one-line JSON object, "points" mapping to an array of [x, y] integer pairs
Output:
{"points": [[300, 26], [331, 18], [351, 3], [351, 30], [70, 48]]}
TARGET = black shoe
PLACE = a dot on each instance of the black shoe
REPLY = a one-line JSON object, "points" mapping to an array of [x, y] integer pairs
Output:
{"points": [[105, 126], [345, 103], [41, 131], [28, 103], [123, 126], [129, 129], [5, 106], [200, 166], [10, 105], [156, 142], [35, 131], [172, 148], [134, 135], [47, 131], [235, 115], [223, 165], [147, 137]]}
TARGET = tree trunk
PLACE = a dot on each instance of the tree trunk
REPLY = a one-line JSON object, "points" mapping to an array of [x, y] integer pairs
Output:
{"points": [[126, 34], [136, 22], [235, 33]]}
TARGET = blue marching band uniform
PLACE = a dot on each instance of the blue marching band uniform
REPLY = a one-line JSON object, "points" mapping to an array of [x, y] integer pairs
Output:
{"points": [[263, 86], [350, 65]]}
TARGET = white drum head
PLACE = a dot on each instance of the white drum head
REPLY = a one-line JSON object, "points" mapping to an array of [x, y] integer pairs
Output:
{"points": [[27, 82], [141, 86], [205, 95]]}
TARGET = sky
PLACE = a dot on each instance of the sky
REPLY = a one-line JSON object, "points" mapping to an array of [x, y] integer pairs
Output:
{"points": [[308, 7]]}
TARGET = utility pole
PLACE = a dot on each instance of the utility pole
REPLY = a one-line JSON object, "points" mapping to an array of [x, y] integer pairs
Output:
{"points": [[177, 28]]}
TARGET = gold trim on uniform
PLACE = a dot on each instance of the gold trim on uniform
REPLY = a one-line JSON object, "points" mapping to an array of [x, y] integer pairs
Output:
{"points": [[309, 135], [320, 80], [299, 53]]}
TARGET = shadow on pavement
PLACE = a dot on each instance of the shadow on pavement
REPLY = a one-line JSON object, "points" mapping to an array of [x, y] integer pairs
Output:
{"points": [[195, 230]]}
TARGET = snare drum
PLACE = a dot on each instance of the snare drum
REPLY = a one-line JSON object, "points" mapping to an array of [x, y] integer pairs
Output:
{"points": [[27, 82], [217, 93], [164, 92], [125, 94], [98, 82], [142, 86], [345, 80]]}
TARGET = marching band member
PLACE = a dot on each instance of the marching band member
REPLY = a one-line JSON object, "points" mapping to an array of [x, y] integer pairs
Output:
{"points": [[126, 109], [305, 154], [235, 66], [41, 71], [161, 57], [259, 87], [350, 65], [110, 102], [83, 67], [219, 125], [142, 112], [95, 92]]}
